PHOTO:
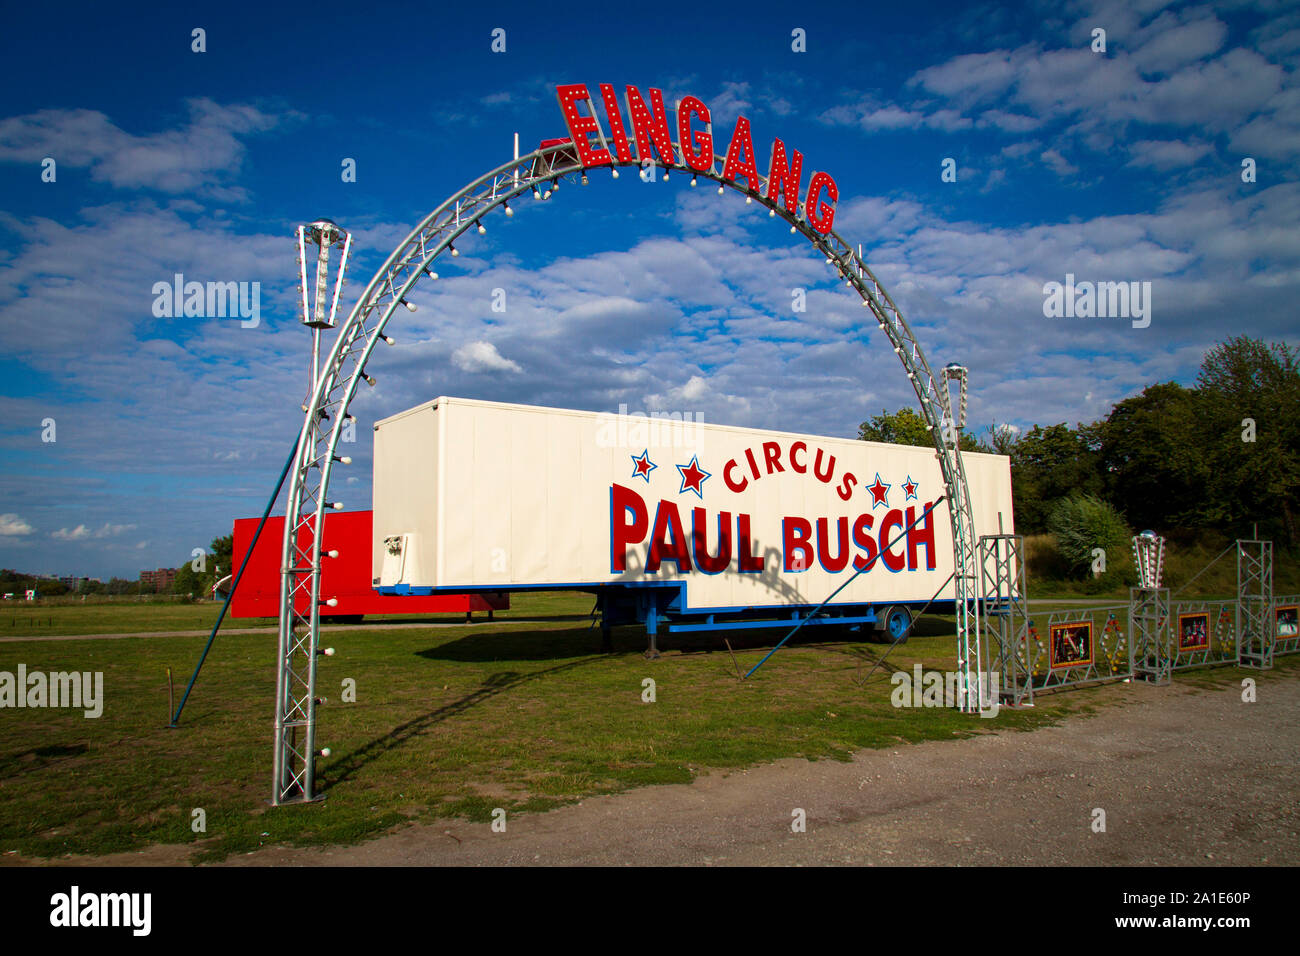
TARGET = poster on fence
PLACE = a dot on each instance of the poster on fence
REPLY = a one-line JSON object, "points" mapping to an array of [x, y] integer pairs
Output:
{"points": [[1071, 644], [1288, 621], [1194, 631]]}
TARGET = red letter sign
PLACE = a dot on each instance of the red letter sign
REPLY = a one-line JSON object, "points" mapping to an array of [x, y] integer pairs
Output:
{"points": [[624, 503], [650, 126], [741, 145], [783, 180], [821, 216], [580, 127], [615, 123], [697, 150]]}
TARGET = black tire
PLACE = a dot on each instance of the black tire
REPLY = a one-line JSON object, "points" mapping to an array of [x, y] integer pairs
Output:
{"points": [[896, 625]]}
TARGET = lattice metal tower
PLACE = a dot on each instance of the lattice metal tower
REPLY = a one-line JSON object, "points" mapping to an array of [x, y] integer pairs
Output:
{"points": [[1256, 624], [300, 599]]}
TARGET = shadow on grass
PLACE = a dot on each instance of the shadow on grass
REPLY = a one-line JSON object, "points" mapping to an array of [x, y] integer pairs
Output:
{"points": [[480, 619], [15, 765], [488, 645], [495, 684]]}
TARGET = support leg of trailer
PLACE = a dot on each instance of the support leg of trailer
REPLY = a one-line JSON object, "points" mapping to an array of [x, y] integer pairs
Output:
{"points": [[651, 629], [606, 629]]}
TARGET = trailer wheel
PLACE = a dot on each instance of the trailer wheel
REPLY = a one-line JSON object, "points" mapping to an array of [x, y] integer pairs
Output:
{"points": [[897, 625]]}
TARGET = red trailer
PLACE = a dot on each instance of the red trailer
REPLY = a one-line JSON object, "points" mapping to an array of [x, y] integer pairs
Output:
{"points": [[347, 577]]}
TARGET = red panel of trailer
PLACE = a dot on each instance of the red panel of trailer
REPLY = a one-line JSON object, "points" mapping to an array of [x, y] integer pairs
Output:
{"points": [[347, 577]]}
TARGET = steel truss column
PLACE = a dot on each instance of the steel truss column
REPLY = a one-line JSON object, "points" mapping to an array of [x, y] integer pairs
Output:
{"points": [[1005, 617], [295, 717], [1149, 653], [1256, 622]]}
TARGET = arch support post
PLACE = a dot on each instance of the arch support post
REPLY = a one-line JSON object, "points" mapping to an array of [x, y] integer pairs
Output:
{"points": [[294, 773]]}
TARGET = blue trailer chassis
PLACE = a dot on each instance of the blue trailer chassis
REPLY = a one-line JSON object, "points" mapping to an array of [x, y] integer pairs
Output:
{"points": [[657, 606]]}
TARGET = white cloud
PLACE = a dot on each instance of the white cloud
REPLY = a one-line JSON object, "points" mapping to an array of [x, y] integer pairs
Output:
{"points": [[13, 526], [873, 115], [734, 100], [1165, 154], [1166, 44], [694, 387], [1009, 122], [195, 158], [1275, 133], [1172, 71], [81, 532], [483, 357], [971, 77], [1058, 163]]}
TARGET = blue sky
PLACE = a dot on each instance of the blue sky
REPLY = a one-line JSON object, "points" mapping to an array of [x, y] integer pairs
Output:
{"points": [[1115, 166]]}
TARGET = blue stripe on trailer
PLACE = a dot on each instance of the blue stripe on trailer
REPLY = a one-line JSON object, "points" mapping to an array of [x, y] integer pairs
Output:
{"points": [[782, 622]]}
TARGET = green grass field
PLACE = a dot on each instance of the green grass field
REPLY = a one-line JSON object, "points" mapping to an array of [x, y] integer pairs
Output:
{"points": [[449, 722], [127, 616]]}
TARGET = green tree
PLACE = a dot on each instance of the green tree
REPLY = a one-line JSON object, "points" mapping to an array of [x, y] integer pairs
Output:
{"points": [[907, 427], [223, 550], [1152, 458], [1047, 464], [1083, 523], [1002, 439], [1247, 385], [189, 581]]}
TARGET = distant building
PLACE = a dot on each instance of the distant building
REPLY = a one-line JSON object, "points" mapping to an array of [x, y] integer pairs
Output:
{"points": [[74, 582], [157, 581]]}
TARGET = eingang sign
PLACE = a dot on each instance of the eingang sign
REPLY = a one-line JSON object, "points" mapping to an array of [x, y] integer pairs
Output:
{"points": [[654, 135]]}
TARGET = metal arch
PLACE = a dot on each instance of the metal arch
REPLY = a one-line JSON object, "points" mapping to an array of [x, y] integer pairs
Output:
{"points": [[344, 369]]}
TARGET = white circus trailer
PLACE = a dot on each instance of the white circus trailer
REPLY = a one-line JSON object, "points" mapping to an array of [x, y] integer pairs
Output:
{"points": [[672, 523]]}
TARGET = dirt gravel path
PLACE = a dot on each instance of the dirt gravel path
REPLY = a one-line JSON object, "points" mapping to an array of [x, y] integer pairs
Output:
{"points": [[1184, 775]]}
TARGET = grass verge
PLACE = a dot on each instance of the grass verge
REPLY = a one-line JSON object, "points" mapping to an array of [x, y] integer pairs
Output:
{"points": [[448, 722]]}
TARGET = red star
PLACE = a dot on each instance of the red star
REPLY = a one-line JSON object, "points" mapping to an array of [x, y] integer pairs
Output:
{"points": [[642, 466], [879, 492], [909, 489], [693, 477]]}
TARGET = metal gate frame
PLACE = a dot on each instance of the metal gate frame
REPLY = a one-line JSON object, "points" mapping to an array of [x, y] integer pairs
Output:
{"points": [[1108, 636], [540, 173], [1221, 644]]}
